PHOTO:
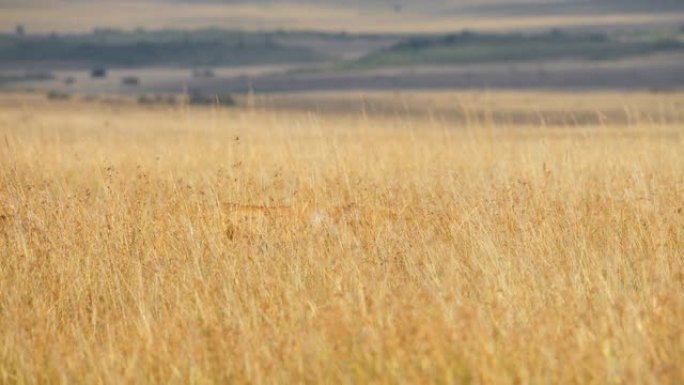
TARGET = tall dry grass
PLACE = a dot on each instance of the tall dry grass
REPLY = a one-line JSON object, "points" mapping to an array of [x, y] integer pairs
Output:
{"points": [[204, 246]]}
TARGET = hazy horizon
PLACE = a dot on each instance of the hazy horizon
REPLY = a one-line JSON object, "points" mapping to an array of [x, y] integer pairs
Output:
{"points": [[41, 16]]}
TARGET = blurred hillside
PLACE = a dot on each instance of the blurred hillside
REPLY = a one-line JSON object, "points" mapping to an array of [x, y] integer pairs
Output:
{"points": [[217, 46], [346, 15]]}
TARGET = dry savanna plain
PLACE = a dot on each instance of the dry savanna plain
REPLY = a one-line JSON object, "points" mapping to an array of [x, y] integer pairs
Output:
{"points": [[486, 245]]}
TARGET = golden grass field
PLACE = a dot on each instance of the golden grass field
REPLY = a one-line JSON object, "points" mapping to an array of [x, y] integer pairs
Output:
{"points": [[208, 246]]}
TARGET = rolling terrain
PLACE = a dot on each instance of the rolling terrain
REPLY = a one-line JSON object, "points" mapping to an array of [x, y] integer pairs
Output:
{"points": [[341, 192], [266, 46], [333, 16], [216, 61], [206, 245]]}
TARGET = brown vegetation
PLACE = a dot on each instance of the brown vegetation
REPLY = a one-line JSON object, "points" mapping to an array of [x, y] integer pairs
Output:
{"points": [[212, 245]]}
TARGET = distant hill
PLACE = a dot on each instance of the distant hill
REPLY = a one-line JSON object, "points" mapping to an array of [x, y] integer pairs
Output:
{"points": [[468, 48], [143, 48], [353, 16], [574, 7]]}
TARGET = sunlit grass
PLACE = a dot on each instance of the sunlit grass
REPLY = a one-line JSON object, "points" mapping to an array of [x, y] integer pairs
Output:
{"points": [[226, 246]]}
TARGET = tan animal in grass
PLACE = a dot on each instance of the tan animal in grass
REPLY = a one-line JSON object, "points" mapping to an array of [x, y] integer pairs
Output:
{"points": [[248, 220], [240, 217]]}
